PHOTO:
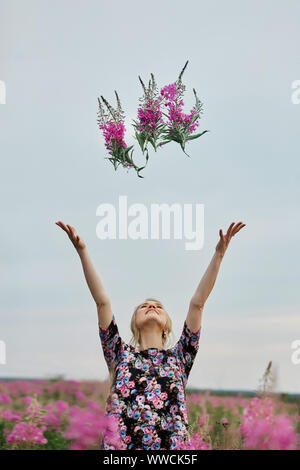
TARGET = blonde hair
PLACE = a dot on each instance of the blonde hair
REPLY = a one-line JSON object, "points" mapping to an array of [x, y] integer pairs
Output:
{"points": [[136, 336]]}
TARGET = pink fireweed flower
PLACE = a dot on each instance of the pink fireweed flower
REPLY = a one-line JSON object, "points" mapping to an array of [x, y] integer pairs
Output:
{"points": [[33, 409], [113, 134], [150, 122], [202, 420], [149, 117], [195, 442], [113, 128], [180, 126], [4, 398], [179, 119], [170, 92], [55, 414], [85, 428], [150, 125], [111, 432], [273, 434], [263, 430], [10, 415], [27, 432]]}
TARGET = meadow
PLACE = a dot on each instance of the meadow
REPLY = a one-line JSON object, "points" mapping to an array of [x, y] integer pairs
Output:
{"points": [[68, 414]]}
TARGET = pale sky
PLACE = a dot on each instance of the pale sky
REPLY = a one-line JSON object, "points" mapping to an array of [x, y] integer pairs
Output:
{"points": [[56, 58]]}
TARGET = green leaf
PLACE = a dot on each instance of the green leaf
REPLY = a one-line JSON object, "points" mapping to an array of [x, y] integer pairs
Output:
{"points": [[165, 142], [123, 154], [140, 140], [182, 146], [196, 136], [140, 136], [152, 143], [110, 159], [127, 149]]}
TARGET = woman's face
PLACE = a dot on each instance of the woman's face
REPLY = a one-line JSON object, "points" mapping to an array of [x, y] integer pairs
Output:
{"points": [[151, 311]]}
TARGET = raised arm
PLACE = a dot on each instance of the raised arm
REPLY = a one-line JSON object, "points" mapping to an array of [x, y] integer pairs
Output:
{"points": [[194, 316], [93, 281]]}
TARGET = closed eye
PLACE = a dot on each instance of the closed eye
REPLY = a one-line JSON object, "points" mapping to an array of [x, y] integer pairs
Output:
{"points": [[158, 306]]}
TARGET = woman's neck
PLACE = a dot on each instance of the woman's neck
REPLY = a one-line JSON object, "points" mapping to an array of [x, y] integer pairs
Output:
{"points": [[151, 339]]}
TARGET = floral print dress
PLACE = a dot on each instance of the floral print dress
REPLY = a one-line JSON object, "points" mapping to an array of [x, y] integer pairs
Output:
{"points": [[148, 394]]}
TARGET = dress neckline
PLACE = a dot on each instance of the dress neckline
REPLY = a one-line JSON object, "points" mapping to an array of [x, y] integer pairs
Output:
{"points": [[151, 349]]}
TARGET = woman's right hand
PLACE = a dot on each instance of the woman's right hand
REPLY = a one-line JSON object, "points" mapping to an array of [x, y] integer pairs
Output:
{"points": [[75, 239]]}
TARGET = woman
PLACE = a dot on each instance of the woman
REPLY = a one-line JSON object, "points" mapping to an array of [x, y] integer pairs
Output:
{"points": [[147, 396]]}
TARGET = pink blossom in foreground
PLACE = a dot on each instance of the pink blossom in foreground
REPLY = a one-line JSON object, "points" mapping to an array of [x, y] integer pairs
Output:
{"points": [[55, 412], [243, 423], [195, 443], [27, 432], [86, 426], [262, 430], [11, 415], [111, 433]]}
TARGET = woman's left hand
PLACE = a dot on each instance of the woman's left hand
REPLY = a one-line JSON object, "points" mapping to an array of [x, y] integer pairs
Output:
{"points": [[225, 239]]}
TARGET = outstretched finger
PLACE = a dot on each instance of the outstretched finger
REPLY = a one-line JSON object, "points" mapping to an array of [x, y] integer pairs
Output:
{"points": [[62, 225], [238, 228], [228, 234], [72, 230], [221, 234]]}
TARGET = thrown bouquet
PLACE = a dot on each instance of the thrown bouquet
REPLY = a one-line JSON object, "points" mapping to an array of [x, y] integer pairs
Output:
{"points": [[150, 126]]}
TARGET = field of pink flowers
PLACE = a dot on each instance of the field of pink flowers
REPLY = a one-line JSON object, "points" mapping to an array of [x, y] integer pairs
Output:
{"points": [[68, 414]]}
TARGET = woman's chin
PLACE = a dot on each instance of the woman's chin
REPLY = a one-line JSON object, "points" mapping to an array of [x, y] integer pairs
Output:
{"points": [[151, 318]]}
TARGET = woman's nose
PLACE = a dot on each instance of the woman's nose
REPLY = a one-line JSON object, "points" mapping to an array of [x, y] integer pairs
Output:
{"points": [[150, 306]]}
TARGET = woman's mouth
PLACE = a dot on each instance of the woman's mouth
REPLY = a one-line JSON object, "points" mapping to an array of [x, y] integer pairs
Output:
{"points": [[152, 310]]}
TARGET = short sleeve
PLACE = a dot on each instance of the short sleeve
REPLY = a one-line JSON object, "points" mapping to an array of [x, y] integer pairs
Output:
{"points": [[111, 341], [186, 349]]}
